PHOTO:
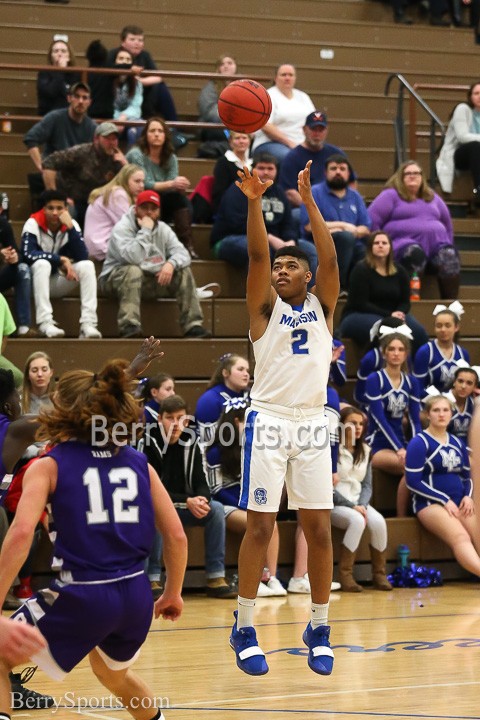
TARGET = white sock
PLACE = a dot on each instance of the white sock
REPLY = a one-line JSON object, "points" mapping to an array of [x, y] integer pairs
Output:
{"points": [[245, 612], [319, 615]]}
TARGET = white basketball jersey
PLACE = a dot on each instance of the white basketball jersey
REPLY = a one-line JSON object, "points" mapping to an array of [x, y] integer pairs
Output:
{"points": [[292, 358]]}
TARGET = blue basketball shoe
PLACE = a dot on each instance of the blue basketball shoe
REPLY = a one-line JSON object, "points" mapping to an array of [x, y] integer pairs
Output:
{"points": [[320, 654], [250, 658]]}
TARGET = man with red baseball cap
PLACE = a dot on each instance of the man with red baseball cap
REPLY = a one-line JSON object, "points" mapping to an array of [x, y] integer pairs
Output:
{"points": [[146, 259]]}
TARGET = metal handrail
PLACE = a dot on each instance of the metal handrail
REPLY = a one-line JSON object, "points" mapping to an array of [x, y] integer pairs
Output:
{"points": [[85, 71], [399, 123]]}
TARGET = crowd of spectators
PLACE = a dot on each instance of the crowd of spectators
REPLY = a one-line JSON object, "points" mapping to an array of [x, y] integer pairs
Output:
{"points": [[99, 203]]}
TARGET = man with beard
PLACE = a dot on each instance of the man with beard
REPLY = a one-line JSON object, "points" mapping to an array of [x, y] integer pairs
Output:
{"points": [[344, 212], [82, 168]]}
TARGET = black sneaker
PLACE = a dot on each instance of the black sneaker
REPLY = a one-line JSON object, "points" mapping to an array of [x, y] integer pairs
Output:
{"points": [[132, 331], [198, 331], [24, 699]]}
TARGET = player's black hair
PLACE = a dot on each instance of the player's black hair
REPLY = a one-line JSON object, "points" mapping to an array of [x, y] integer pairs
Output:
{"points": [[7, 386], [292, 251]]}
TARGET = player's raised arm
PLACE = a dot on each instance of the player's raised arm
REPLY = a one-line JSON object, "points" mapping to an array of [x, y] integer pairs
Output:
{"points": [[327, 284], [259, 286]]}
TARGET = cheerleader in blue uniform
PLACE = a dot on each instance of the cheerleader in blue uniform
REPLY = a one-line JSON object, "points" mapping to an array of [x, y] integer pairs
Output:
{"points": [[438, 474], [391, 394], [373, 359], [465, 383], [436, 361]]}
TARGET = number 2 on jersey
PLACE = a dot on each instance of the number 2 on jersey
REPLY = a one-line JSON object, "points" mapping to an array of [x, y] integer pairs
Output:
{"points": [[299, 342]]}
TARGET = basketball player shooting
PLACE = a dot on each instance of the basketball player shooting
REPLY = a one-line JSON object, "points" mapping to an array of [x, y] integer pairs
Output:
{"points": [[286, 435]]}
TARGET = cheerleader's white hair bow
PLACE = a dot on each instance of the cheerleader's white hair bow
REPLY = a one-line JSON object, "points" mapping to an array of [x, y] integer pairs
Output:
{"points": [[455, 307], [463, 364], [432, 391], [401, 330]]}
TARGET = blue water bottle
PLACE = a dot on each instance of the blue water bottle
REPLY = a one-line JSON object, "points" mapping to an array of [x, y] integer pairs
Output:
{"points": [[403, 553]]}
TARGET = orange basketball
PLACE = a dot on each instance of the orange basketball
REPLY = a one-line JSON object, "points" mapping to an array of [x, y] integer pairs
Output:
{"points": [[244, 106]]}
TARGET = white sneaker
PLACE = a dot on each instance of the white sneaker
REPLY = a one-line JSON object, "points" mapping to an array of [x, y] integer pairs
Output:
{"points": [[276, 587], [208, 291], [299, 585], [335, 586], [264, 591], [89, 331], [50, 329]]}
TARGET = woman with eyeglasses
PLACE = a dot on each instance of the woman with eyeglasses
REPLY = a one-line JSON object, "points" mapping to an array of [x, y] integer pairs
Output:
{"points": [[419, 225]]}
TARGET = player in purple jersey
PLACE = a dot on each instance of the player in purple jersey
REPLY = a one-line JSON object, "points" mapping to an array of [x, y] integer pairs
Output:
{"points": [[438, 474], [291, 332], [106, 501]]}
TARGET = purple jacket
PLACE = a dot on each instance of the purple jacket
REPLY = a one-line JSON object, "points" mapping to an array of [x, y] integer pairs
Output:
{"points": [[427, 224]]}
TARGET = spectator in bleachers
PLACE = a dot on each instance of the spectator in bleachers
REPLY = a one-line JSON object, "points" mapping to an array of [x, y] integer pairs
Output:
{"points": [[38, 383], [229, 383], [146, 259], [436, 361], [15, 274], [53, 88], [101, 85], [392, 394], [155, 154], [157, 99], [352, 511], [438, 474], [290, 107], [82, 168], [461, 146], [7, 327], [63, 128], [464, 388], [154, 390], [345, 214], [173, 451], [229, 232], [378, 288], [127, 92], [214, 139], [52, 244], [419, 225], [312, 148], [373, 358], [227, 166], [107, 205]]}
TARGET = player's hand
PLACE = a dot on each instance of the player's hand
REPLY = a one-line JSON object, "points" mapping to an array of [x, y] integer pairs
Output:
{"points": [[304, 186], [168, 606], [19, 641], [150, 350], [250, 184], [401, 455]]}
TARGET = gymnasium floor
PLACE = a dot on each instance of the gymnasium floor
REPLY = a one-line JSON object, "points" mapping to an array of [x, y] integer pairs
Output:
{"points": [[404, 654]]}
